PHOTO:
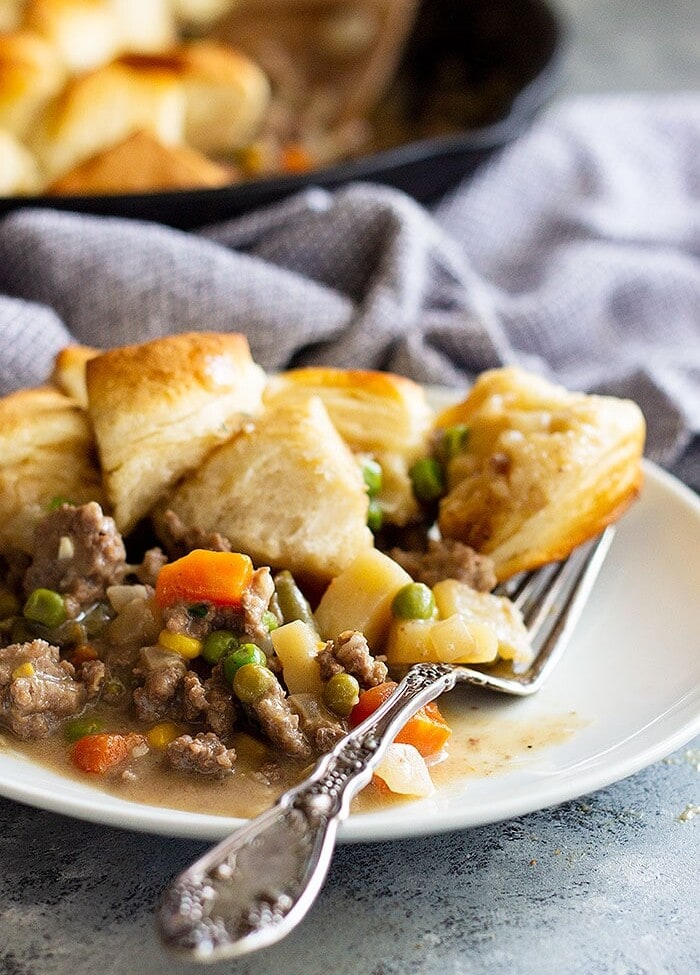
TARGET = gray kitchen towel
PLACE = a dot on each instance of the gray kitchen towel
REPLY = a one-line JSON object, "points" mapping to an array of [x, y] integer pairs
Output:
{"points": [[575, 252]]}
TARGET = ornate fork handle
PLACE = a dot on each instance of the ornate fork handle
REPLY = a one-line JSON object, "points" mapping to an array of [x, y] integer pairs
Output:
{"points": [[250, 890]]}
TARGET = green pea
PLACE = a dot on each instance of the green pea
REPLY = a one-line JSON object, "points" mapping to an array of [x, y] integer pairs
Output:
{"points": [[454, 440], [373, 477], [375, 515], [58, 502], [341, 694], [47, 607], [428, 479], [270, 621], [80, 727], [218, 644], [414, 601], [246, 654], [252, 682]]}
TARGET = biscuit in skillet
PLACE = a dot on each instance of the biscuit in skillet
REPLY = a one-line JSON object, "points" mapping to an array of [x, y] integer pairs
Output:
{"points": [[69, 371], [158, 408], [542, 469], [31, 73]]}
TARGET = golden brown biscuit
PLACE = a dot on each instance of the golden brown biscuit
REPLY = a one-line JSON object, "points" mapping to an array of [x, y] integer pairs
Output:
{"points": [[47, 452], [19, 170], [141, 164], [200, 14], [31, 73], [286, 490], [101, 109], [543, 469], [378, 414], [227, 94], [69, 371], [84, 32], [160, 407], [144, 25], [10, 14]]}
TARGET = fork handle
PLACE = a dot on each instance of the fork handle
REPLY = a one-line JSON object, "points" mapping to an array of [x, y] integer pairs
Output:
{"points": [[254, 887]]}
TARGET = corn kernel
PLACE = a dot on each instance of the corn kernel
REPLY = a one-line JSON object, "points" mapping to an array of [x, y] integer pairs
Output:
{"points": [[162, 734], [186, 646], [24, 670]]}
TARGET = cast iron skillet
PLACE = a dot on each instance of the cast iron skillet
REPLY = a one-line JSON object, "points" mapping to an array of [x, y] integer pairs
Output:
{"points": [[514, 47]]}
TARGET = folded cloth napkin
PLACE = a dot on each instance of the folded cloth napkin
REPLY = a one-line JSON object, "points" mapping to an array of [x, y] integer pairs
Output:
{"points": [[575, 252]]}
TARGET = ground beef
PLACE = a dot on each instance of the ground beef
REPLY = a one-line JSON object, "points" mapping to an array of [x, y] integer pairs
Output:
{"points": [[351, 653], [159, 696], [280, 724], [77, 552], [254, 604], [210, 702], [178, 619], [92, 673], [447, 559], [153, 561], [34, 706], [321, 726], [205, 754], [179, 540]]}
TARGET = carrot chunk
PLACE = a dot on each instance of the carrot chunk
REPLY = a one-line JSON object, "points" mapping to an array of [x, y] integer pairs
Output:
{"points": [[203, 576], [102, 752], [427, 730]]}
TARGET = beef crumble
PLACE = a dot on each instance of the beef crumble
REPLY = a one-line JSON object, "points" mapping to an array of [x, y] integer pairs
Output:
{"points": [[77, 552], [447, 559], [38, 690]]}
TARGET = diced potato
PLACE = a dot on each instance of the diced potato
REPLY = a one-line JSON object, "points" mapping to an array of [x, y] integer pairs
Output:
{"points": [[360, 598], [296, 645], [453, 597], [454, 640], [403, 770]]}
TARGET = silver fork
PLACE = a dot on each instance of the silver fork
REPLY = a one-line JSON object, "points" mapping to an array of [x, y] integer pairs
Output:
{"points": [[254, 887]]}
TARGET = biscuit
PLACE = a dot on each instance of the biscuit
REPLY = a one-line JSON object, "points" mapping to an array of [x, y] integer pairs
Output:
{"points": [[158, 408], [19, 170], [141, 164], [31, 74], [102, 108], [84, 32], [69, 371], [542, 469], [227, 94], [378, 414], [286, 490], [47, 451]]}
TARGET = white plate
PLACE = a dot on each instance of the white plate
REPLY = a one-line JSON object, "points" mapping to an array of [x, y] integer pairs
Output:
{"points": [[631, 675]]}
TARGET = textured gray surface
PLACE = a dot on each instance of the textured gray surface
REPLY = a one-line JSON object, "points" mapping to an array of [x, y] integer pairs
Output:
{"points": [[604, 884]]}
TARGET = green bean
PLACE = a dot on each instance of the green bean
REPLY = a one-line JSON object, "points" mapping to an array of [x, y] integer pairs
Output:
{"points": [[82, 726], [341, 694], [291, 600], [414, 601]]}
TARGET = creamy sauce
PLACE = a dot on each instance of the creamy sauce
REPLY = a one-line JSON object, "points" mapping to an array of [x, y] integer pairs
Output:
{"points": [[487, 739]]}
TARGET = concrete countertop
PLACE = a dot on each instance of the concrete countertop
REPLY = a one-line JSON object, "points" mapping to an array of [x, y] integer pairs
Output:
{"points": [[604, 884]]}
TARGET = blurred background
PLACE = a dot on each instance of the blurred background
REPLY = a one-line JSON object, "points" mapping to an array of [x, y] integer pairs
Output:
{"points": [[631, 45]]}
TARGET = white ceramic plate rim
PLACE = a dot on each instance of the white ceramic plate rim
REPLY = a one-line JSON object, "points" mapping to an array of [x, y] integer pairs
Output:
{"points": [[475, 802]]}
